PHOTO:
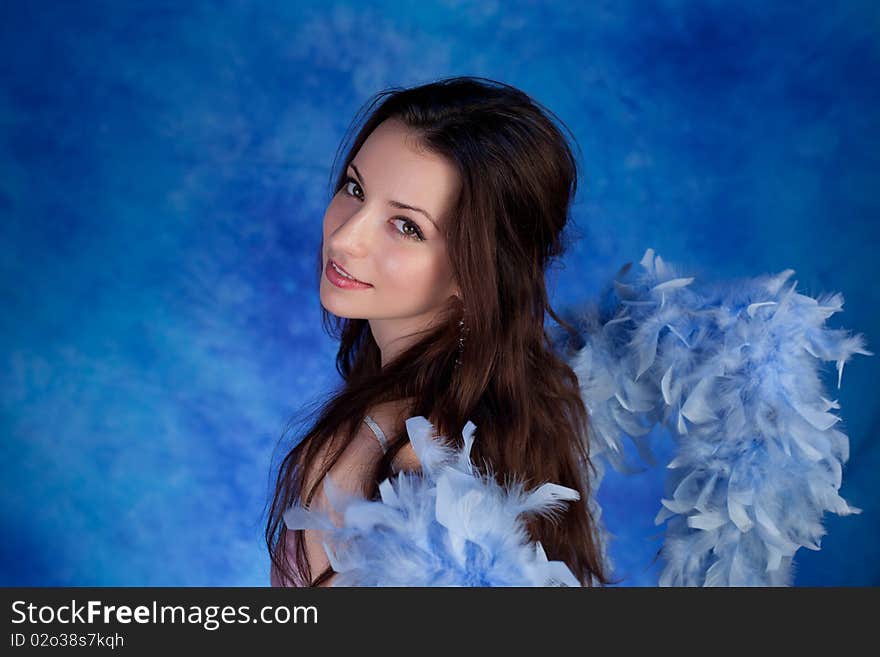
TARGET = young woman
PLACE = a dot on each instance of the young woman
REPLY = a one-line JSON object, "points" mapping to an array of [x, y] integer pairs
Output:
{"points": [[448, 208]]}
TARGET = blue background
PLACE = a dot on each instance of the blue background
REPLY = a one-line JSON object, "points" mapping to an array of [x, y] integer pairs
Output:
{"points": [[164, 170]]}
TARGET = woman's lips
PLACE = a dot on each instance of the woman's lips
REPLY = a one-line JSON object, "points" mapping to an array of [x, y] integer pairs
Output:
{"points": [[341, 281]]}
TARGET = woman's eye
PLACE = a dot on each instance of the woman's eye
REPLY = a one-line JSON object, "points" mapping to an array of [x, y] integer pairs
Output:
{"points": [[348, 183], [415, 234], [410, 230]]}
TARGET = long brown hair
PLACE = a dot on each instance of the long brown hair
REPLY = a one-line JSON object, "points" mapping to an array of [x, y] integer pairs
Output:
{"points": [[518, 177]]}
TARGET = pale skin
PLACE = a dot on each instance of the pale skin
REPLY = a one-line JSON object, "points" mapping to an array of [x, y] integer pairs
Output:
{"points": [[379, 244], [401, 253]]}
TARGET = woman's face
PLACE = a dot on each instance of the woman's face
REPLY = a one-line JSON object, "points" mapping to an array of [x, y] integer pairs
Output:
{"points": [[399, 251]]}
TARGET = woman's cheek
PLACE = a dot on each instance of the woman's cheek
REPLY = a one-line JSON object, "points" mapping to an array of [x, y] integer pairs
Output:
{"points": [[332, 221], [394, 267]]}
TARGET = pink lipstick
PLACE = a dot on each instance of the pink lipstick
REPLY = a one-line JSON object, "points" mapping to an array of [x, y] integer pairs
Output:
{"points": [[341, 278]]}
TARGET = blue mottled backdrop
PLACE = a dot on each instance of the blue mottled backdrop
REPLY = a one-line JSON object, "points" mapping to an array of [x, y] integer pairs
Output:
{"points": [[164, 170]]}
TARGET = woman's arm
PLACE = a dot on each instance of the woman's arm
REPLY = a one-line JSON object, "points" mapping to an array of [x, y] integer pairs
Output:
{"points": [[352, 473]]}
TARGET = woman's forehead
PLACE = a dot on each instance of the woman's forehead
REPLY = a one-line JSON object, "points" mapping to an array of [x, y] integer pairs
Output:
{"points": [[395, 166]]}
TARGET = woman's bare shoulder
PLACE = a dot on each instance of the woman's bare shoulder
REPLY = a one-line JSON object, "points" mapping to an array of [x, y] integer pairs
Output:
{"points": [[356, 462], [391, 417], [406, 460]]}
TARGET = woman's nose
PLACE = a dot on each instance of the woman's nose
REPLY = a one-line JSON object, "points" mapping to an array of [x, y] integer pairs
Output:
{"points": [[354, 233]]}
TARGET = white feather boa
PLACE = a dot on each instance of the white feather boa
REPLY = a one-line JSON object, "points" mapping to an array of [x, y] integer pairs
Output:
{"points": [[448, 526], [732, 370]]}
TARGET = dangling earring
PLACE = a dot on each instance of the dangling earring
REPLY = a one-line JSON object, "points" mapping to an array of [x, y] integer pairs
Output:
{"points": [[462, 331]]}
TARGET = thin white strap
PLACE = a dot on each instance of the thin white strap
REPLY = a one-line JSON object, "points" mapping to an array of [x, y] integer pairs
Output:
{"points": [[380, 435]]}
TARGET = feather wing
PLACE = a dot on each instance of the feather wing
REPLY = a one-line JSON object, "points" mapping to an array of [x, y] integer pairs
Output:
{"points": [[733, 371]]}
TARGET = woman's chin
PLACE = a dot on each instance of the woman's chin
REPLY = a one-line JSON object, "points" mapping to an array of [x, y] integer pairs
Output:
{"points": [[334, 306]]}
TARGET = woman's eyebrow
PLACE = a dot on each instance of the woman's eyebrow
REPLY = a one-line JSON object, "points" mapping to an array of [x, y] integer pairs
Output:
{"points": [[396, 204]]}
